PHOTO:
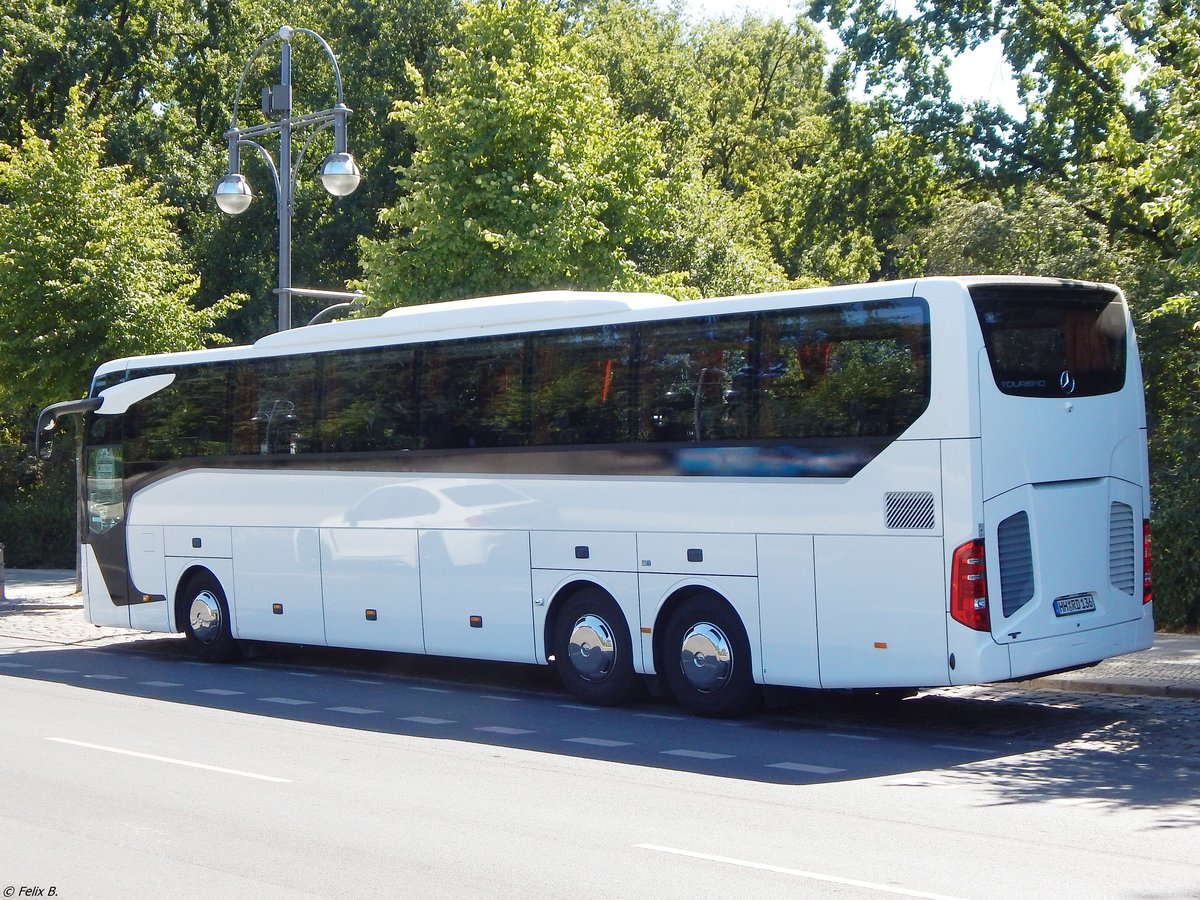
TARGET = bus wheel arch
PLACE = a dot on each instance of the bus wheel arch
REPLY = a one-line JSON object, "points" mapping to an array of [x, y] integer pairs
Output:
{"points": [[589, 637], [702, 652], [202, 614]]}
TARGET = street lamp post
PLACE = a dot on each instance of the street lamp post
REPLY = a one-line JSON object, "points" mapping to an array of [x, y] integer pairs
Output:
{"points": [[339, 172]]}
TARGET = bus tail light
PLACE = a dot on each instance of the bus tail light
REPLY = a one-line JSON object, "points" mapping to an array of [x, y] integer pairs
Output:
{"points": [[968, 587], [1147, 594]]}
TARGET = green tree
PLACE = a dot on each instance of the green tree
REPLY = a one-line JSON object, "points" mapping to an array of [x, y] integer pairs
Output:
{"points": [[524, 177], [90, 266]]}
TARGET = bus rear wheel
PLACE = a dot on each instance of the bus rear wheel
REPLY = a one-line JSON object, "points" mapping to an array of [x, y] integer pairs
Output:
{"points": [[593, 652], [206, 620], [706, 659]]}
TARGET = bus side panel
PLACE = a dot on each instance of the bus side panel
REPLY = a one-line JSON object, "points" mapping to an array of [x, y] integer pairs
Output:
{"points": [[477, 594], [278, 576], [880, 612], [147, 575], [372, 589], [788, 603], [97, 601]]}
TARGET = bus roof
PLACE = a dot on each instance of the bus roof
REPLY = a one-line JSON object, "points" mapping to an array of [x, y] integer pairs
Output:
{"points": [[477, 314]]}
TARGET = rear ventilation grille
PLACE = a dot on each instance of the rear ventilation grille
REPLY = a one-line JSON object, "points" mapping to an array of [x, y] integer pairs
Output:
{"points": [[910, 509], [1016, 562], [1122, 548]]}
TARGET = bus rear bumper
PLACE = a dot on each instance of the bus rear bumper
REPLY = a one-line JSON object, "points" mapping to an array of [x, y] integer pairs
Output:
{"points": [[1029, 659]]}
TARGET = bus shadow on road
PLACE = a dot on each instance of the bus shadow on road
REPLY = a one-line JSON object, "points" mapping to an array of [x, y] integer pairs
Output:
{"points": [[1022, 750]]}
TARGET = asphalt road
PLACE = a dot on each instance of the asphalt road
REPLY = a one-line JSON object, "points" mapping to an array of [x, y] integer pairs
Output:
{"points": [[131, 771]]}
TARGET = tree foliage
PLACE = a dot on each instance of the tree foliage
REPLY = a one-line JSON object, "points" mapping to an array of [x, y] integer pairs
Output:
{"points": [[601, 143], [524, 176], [89, 266]]}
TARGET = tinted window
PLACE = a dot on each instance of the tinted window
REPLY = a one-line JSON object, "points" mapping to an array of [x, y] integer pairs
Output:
{"points": [[189, 417], [277, 408], [1053, 342], [473, 394], [581, 385], [369, 401], [857, 370], [687, 379]]}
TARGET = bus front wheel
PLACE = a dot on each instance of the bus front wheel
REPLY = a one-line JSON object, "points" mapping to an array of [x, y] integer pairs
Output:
{"points": [[593, 652], [206, 620], [706, 659]]}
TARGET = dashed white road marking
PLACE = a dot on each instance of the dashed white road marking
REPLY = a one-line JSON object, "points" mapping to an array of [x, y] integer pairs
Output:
{"points": [[161, 684], [852, 737], [429, 690], [427, 720], [960, 749], [286, 701], [499, 697], [106, 677], [60, 671], [167, 759], [219, 692], [503, 729], [597, 742], [659, 716], [354, 710], [799, 873], [696, 754], [804, 767]]}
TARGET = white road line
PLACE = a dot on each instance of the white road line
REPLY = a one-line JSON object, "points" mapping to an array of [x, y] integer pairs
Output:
{"points": [[815, 876], [60, 671], [161, 683], [498, 697], [7, 665], [960, 749], [106, 677], [659, 716], [804, 767], [501, 729], [167, 759], [697, 754], [577, 706], [364, 681], [304, 674], [427, 720], [353, 710], [852, 737], [429, 690], [597, 742], [286, 701], [219, 692]]}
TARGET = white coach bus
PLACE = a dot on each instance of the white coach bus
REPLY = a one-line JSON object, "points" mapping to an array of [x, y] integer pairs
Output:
{"points": [[897, 485]]}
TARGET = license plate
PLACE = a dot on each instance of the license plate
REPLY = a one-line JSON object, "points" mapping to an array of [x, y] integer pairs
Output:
{"points": [[1075, 604]]}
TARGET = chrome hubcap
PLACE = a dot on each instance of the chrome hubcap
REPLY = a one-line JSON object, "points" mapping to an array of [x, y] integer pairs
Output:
{"points": [[205, 617], [592, 647], [706, 657]]}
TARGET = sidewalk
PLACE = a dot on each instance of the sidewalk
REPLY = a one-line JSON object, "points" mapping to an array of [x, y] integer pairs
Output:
{"points": [[42, 608]]}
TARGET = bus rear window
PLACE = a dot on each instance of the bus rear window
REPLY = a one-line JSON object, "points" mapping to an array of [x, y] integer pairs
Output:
{"points": [[1053, 341]]}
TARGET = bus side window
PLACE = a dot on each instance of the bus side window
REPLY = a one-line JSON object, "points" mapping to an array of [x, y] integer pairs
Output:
{"points": [[580, 391], [367, 402], [687, 373]]}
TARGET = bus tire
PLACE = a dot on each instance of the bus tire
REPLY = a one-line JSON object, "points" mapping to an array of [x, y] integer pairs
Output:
{"points": [[706, 659], [593, 652], [206, 620]]}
